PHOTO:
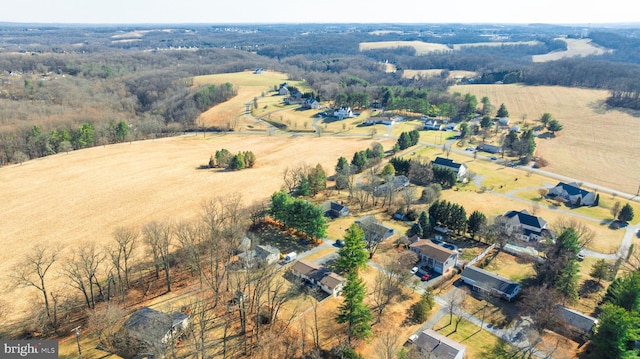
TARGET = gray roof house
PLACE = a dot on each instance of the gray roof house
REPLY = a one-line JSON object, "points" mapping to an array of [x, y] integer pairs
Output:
{"points": [[398, 183], [576, 323], [334, 209], [330, 282], [526, 226], [433, 125], [438, 346], [480, 279], [489, 148], [458, 168], [371, 224], [573, 194], [152, 330], [261, 254], [433, 256]]}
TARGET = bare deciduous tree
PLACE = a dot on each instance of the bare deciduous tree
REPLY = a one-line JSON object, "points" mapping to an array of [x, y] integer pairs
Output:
{"points": [[159, 237], [387, 343], [32, 272], [82, 270]]}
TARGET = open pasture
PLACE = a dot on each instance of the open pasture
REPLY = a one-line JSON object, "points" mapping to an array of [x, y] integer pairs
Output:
{"points": [[408, 73], [597, 145], [575, 48], [81, 197]]}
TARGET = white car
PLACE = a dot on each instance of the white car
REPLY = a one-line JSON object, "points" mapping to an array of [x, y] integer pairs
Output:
{"points": [[414, 270], [412, 338]]}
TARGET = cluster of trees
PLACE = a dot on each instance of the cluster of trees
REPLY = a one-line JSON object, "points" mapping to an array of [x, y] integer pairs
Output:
{"points": [[352, 99], [225, 159], [618, 329], [408, 139], [304, 180], [523, 146], [449, 215], [363, 159], [423, 173], [622, 213], [298, 214]]}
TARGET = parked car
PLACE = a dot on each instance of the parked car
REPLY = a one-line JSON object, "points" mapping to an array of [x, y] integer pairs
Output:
{"points": [[412, 338], [426, 277], [493, 158], [339, 243], [414, 270]]}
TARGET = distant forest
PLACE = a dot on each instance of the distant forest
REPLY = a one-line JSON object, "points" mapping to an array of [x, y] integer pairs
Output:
{"points": [[130, 82]]}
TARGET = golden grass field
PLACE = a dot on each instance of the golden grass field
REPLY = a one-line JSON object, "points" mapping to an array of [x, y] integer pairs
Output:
{"points": [[597, 145], [575, 48], [81, 197], [420, 46]]}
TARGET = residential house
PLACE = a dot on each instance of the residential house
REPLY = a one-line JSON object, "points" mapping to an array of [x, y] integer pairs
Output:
{"points": [[383, 120], [438, 345], [576, 323], [458, 168], [524, 225], [572, 193], [433, 125], [369, 224], [397, 183], [334, 209], [258, 71], [489, 148], [330, 282], [152, 330], [433, 256], [310, 104], [284, 90], [343, 112], [260, 255], [482, 280], [504, 121]]}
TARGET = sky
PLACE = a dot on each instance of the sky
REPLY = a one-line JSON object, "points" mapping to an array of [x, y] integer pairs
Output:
{"points": [[319, 11]]}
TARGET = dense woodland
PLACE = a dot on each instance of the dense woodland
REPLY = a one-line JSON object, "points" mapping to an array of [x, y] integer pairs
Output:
{"points": [[69, 87]]}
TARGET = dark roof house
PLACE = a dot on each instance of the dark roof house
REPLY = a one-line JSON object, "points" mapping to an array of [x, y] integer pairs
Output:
{"points": [[458, 168], [370, 224], [334, 209], [572, 193], [480, 279], [528, 226], [439, 346], [152, 329], [576, 322], [323, 277], [489, 148], [433, 256]]}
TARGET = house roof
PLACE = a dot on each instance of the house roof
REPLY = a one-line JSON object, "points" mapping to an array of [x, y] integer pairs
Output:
{"points": [[572, 189], [150, 326], [438, 345], [376, 227], [447, 163], [489, 148], [318, 273], [264, 251], [488, 281], [432, 250], [576, 319], [527, 219]]}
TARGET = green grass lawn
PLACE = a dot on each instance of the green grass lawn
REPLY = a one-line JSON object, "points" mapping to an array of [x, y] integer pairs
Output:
{"points": [[478, 342]]}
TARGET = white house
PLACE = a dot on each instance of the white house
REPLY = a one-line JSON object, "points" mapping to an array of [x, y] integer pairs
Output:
{"points": [[433, 256], [573, 194], [260, 255], [433, 125], [526, 226], [343, 112], [458, 168]]}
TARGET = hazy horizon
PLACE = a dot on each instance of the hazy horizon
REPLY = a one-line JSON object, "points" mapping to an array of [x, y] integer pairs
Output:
{"points": [[246, 12]]}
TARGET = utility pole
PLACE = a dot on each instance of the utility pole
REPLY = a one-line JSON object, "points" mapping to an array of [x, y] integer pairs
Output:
{"points": [[77, 330]]}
